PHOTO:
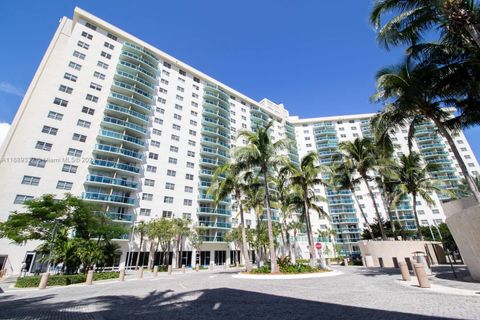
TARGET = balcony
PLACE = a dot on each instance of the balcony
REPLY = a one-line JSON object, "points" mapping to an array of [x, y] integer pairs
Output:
{"points": [[217, 96], [104, 180], [116, 123], [214, 152], [135, 48], [216, 104], [215, 132], [102, 197], [133, 67], [210, 121], [115, 165], [137, 80], [117, 217], [340, 202], [212, 239], [131, 101], [113, 135], [351, 220], [213, 211], [119, 151], [221, 115], [215, 142], [116, 109], [129, 89], [139, 59], [214, 225], [208, 198]]}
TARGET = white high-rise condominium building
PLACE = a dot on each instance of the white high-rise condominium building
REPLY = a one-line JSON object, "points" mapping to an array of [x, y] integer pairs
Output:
{"points": [[116, 121]]}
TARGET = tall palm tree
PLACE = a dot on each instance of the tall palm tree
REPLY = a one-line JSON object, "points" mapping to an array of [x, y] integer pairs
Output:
{"points": [[410, 21], [305, 177], [342, 178], [295, 226], [411, 97], [262, 153], [141, 229], [226, 180], [415, 181], [360, 155]]}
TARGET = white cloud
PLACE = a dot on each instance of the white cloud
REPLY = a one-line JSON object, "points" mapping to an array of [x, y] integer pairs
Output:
{"points": [[4, 127], [11, 89]]}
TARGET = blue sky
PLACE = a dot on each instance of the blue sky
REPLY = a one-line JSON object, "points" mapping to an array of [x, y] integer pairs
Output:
{"points": [[319, 58]]}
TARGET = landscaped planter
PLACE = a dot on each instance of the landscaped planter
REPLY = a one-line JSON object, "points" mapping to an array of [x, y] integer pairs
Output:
{"points": [[63, 280], [286, 276]]}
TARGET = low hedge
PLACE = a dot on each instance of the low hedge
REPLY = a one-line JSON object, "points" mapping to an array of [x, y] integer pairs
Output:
{"points": [[62, 280], [289, 269]]}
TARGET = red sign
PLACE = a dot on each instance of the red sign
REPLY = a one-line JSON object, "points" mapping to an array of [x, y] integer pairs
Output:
{"points": [[318, 245]]}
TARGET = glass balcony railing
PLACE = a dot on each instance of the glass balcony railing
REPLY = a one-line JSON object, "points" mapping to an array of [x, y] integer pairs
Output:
{"points": [[132, 89], [142, 50], [143, 71], [108, 198], [134, 78], [117, 150], [123, 137], [212, 239], [115, 165], [131, 101], [112, 181], [126, 111], [138, 58], [125, 124], [210, 210], [210, 224]]}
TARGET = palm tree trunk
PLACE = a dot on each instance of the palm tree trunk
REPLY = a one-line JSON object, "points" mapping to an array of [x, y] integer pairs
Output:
{"points": [[139, 251], [248, 264], [287, 236], [380, 224], [352, 190], [259, 244], [311, 247], [150, 255], [273, 261], [414, 195], [471, 183]]}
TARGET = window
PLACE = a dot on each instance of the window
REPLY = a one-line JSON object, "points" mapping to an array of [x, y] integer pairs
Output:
{"points": [[188, 189], [183, 73], [194, 113], [420, 211], [145, 212], [75, 66], [108, 45], [162, 90], [21, 198], [355, 134], [194, 95], [175, 137], [307, 138], [91, 26], [69, 168], [79, 137], [147, 196], [187, 215], [160, 110], [471, 165], [167, 214], [343, 136], [169, 186], [113, 37], [83, 45], [65, 89], [194, 104], [70, 77], [102, 65], [190, 153], [190, 165], [149, 183], [463, 149], [171, 173], [45, 146], [87, 110], [50, 130], [467, 156], [83, 123], [153, 156], [60, 102], [87, 35], [191, 143], [92, 98], [164, 81], [31, 181], [193, 123], [173, 149], [79, 55], [74, 152], [172, 160], [189, 176], [187, 202], [99, 75], [166, 73], [36, 162], [196, 79], [309, 145], [167, 65], [167, 199], [156, 132], [180, 89], [341, 129], [95, 86], [158, 121], [435, 211], [154, 143], [162, 100], [177, 116], [460, 141], [55, 115], [179, 98], [192, 132], [106, 55], [176, 127], [64, 185], [181, 79], [151, 169], [178, 107]]}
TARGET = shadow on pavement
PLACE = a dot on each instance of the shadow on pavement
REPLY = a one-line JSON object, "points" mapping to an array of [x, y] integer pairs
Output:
{"points": [[221, 303]]}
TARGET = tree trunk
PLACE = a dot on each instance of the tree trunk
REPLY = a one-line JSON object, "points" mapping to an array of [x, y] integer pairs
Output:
{"points": [[471, 183], [352, 190], [311, 247], [139, 251], [287, 236], [273, 261], [380, 224], [248, 264], [259, 244], [419, 232], [151, 255]]}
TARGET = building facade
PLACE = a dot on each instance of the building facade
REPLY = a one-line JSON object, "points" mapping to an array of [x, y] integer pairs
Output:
{"points": [[114, 120]]}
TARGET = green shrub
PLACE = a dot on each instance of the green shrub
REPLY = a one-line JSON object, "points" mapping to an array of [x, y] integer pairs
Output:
{"points": [[288, 268], [303, 261], [261, 270], [63, 280]]}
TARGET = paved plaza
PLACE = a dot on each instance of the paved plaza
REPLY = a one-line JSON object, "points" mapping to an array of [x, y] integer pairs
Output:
{"points": [[358, 293]]}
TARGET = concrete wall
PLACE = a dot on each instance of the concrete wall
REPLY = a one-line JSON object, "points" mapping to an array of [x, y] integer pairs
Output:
{"points": [[386, 251], [463, 220]]}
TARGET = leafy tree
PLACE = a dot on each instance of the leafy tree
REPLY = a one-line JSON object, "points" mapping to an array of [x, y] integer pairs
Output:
{"points": [[262, 153], [141, 229]]}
